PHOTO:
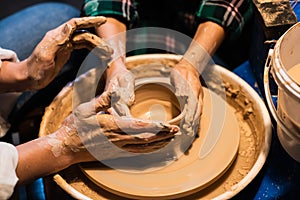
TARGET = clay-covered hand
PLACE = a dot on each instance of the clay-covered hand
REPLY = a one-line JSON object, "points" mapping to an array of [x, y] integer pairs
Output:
{"points": [[188, 89], [55, 48], [120, 83], [90, 127]]}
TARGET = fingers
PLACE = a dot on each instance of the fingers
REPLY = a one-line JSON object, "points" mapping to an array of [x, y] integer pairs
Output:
{"points": [[130, 125], [191, 116], [62, 34], [140, 139], [85, 22], [127, 82], [200, 102], [123, 86], [180, 83], [85, 110], [136, 135], [92, 42], [121, 108], [103, 102], [188, 90], [66, 30], [147, 148], [196, 100], [56, 47]]}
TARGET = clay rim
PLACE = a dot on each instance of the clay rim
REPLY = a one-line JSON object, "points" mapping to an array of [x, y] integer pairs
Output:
{"points": [[164, 81]]}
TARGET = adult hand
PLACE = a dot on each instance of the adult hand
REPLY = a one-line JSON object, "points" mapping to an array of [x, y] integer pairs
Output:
{"points": [[188, 89], [120, 82], [90, 127], [54, 50]]}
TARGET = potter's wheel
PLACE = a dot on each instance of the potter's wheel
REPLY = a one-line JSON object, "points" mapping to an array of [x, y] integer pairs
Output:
{"points": [[188, 174], [254, 139]]}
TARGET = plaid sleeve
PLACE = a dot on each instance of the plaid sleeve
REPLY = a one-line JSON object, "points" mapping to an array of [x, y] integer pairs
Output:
{"points": [[121, 9], [230, 14]]}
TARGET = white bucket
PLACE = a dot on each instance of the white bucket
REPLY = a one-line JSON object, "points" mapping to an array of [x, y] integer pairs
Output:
{"points": [[281, 60]]}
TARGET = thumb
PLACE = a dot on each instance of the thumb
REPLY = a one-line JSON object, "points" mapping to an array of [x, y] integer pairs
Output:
{"points": [[88, 109], [103, 102]]}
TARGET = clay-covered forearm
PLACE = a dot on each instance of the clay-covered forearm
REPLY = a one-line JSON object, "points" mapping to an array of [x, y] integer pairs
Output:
{"points": [[44, 156], [207, 39], [209, 36], [114, 33]]}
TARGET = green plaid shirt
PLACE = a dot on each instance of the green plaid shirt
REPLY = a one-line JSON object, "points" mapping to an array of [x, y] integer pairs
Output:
{"points": [[179, 15]]}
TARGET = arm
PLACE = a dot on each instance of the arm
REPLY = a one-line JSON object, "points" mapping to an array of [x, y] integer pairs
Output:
{"points": [[70, 144], [185, 74], [217, 21], [39, 158], [113, 31], [207, 39], [118, 78], [50, 55], [120, 15], [209, 35], [11, 72], [13, 77], [232, 15]]}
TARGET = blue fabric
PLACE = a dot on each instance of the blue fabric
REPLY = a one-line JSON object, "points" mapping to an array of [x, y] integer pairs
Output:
{"points": [[23, 30], [280, 177], [297, 10], [245, 72]]}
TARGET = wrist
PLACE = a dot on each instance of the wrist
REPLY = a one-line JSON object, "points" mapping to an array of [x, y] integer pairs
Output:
{"points": [[71, 146], [197, 57], [60, 148], [189, 66], [69, 138], [116, 66], [14, 76]]}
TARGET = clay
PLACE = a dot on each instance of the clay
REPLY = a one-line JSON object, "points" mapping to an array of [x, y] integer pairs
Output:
{"points": [[252, 136], [294, 72], [161, 73], [155, 102], [247, 153], [189, 173], [57, 146]]}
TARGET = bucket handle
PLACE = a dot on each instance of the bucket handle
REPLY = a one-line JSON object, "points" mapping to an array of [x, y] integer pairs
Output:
{"points": [[268, 97]]}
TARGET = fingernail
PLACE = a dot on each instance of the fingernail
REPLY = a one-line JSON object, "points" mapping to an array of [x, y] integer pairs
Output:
{"points": [[174, 129], [66, 29]]}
